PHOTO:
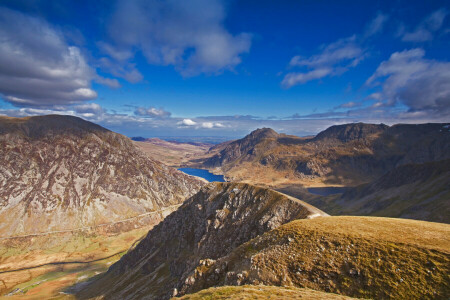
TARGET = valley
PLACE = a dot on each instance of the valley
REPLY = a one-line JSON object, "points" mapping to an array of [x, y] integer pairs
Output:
{"points": [[160, 238], [217, 149]]}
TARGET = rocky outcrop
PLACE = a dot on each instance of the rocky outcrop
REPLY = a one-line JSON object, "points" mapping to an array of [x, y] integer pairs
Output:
{"points": [[62, 173], [207, 226]]}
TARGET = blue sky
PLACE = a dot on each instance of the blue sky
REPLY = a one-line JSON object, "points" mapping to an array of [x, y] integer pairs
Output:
{"points": [[224, 68]]}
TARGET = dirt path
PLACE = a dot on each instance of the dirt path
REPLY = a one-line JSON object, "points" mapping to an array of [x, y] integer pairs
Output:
{"points": [[91, 227]]}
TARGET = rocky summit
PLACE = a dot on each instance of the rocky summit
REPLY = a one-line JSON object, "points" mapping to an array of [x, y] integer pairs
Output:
{"points": [[62, 173], [206, 227]]}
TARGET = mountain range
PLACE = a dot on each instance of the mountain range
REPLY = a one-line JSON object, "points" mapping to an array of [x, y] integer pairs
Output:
{"points": [[348, 154], [75, 197]]}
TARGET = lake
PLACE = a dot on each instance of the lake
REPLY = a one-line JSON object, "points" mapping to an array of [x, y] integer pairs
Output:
{"points": [[325, 191], [203, 174]]}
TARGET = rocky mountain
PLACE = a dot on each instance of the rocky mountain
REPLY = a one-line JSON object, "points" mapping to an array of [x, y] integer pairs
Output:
{"points": [[63, 173], [206, 227], [413, 191], [348, 154]]}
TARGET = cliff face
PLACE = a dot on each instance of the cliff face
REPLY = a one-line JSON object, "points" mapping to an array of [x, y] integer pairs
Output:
{"points": [[206, 227], [62, 173]]}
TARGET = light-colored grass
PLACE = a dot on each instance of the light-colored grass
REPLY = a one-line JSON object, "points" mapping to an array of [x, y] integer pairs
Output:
{"points": [[259, 292]]}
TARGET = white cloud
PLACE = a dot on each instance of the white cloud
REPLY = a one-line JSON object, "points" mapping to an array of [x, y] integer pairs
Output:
{"points": [[151, 112], [409, 78], [125, 70], [187, 122], [376, 25], [37, 66], [211, 125], [295, 78], [424, 31], [189, 35], [336, 58]]}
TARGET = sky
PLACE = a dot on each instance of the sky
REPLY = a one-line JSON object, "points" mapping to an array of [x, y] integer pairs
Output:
{"points": [[224, 68]]}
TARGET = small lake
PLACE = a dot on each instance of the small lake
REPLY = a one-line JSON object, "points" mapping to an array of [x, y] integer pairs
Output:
{"points": [[203, 174], [325, 191]]}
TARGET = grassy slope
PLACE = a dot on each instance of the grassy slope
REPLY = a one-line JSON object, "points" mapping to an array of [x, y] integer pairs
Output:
{"points": [[48, 280], [354, 256], [259, 292]]}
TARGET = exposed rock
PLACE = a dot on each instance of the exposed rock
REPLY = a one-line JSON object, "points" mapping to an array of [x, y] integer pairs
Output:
{"points": [[62, 173], [205, 228]]}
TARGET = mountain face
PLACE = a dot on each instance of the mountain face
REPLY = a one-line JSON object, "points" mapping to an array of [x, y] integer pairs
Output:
{"points": [[349, 154], [413, 191], [63, 173], [207, 226]]}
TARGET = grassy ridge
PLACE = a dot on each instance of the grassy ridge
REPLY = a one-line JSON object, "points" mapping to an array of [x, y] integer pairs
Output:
{"points": [[354, 256]]}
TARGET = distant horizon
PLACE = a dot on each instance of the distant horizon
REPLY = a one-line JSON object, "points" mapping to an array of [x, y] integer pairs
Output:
{"points": [[218, 68]]}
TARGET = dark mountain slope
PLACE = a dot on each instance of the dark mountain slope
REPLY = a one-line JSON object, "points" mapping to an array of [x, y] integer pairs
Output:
{"points": [[413, 191]]}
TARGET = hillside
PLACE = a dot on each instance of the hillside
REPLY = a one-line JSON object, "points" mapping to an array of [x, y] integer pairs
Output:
{"points": [[413, 191], [64, 173], [378, 258], [260, 292], [348, 154], [173, 154], [207, 226]]}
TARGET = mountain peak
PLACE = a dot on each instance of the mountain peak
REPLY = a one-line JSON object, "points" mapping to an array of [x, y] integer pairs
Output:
{"points": [[262, 133], [351, 131], [38, 126]]}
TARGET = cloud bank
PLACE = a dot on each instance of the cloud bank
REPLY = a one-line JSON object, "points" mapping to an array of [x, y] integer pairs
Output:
{"points": [[37, 66]]}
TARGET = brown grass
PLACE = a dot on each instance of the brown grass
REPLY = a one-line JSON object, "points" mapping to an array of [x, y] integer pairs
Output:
{"points": [[259, 292]]}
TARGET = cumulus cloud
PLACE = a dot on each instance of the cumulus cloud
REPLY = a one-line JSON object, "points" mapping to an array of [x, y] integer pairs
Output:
{"points": [[211, 125], [151, 112], [424, 31], [189, 35], [187, 122], [37, 66], [409, 78]]}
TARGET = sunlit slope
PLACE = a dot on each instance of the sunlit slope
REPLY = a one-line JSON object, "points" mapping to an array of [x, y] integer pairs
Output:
{"points": [[356, 256]]}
